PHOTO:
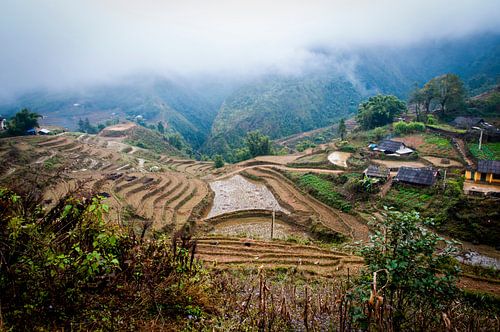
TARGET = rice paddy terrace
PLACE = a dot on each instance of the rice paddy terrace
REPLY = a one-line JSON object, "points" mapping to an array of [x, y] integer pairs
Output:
{"points": [[232, 208]]}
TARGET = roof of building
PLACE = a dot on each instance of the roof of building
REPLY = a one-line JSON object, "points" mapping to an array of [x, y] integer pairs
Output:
{"points": [[489, 166], [44, 130], [466, 122], [376, 171], [388, 145], [423, 176]]}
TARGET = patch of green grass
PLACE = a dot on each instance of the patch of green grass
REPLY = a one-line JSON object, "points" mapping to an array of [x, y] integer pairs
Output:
{"points": [[323, 190], [440, 142], [489, 151], [52, 162], [435, 145], [447, 127], [407, 198]]}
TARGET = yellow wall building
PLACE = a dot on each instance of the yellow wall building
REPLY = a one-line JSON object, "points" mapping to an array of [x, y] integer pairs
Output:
{"points": [[487, 171]]}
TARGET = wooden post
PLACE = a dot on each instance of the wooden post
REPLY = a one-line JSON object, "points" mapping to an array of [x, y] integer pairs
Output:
{"points": [[444, 180], [272, 224]]}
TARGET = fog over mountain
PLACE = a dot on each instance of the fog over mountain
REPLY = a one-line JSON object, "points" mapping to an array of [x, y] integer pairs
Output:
{"points": [[59, 44]]}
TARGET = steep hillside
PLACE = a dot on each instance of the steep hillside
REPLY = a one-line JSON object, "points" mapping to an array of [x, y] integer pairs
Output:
{"points": [[280, 107]]}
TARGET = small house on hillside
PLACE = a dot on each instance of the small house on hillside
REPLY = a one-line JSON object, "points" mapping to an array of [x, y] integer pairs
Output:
{"points": [[464, 122], [3, 123], [393, 147], [44, 131], [375, 171], [487, 171], [31, 131], [425, 176]]}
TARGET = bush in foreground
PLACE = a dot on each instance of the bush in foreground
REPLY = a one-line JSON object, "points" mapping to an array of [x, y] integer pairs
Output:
{"points": [[66, 269]]}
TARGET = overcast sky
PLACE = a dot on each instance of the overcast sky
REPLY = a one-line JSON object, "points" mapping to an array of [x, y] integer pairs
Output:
{"points": [[67, 43]]}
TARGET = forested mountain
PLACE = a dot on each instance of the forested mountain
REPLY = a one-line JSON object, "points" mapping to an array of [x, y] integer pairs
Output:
{"points": [[214, 115], [181, 106], [283, 106], [280, 107]]}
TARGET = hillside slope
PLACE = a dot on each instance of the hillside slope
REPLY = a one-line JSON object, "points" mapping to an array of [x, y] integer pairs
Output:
{"points": [[281, 107]]}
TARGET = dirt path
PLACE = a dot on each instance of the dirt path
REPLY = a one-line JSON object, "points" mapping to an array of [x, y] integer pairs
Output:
{"points": [[460, 147]]}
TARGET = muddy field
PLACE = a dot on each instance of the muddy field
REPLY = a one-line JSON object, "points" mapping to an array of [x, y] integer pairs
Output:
{"points": [[238, 194], [339, 158], [258, 227]]}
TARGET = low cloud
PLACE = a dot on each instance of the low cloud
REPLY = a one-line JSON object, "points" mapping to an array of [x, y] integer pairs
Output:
{"points": [[57, 44]]}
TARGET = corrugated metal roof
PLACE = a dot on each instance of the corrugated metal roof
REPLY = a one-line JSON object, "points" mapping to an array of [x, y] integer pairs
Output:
{"points": [[488, 166], [376, 171], [423, 176], [390, 146]]}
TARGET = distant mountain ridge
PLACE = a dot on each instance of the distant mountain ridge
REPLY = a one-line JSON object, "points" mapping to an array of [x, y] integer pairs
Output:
{"points": [[214, 118]]}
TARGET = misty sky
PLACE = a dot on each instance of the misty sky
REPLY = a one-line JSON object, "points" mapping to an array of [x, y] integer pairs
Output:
{"points": [[68, 43]]}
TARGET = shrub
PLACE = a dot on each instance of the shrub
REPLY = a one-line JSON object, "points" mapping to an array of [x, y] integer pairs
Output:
{"points": [[65, 267], [408, 274], [218, 161], [402, 127]]}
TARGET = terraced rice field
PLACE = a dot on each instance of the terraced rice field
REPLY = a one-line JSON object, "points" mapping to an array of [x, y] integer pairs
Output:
{"points": [[258, 227], [168, 198], [192, 167], [238, 194], [232, 253], [304, 206], [165, 198]]}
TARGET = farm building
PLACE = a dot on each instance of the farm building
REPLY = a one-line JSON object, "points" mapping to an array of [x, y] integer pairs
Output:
{"points": [[464, 122], [44, 131], [425, 176], [393, 147], [375, 171], [487, 171]]}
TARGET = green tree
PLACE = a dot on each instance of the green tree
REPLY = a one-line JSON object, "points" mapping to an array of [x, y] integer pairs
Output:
{"points": [[257, 144], [450, 92], [218, 161], [408, 270], [86, 127], [342, 129], [378, 133], [81, 125], [379, 111], [23, 121], [160, 127], [446, 90], [175, 140]]}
